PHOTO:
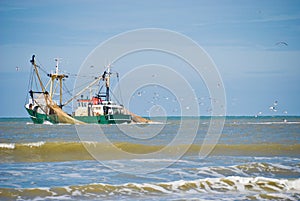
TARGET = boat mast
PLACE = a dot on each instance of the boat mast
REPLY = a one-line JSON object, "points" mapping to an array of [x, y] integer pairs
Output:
{"points": [[32, 61], [57, 76], [107, 82]]}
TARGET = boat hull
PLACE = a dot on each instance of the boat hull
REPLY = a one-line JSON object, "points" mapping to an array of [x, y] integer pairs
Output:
{"points": [[105, 119], [39, 118]]}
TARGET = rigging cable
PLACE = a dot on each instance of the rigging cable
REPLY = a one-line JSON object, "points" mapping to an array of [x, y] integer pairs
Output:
{"points": [[29, 84], [35, 82], [119, 86], [66, 89], [115, 97], [41, 68]]}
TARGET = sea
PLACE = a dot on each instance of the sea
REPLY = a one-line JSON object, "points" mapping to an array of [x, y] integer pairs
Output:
{"points": [[172, 158]]}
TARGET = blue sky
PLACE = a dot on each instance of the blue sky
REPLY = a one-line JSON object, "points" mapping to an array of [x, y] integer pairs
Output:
{"points": [[240, 37]]}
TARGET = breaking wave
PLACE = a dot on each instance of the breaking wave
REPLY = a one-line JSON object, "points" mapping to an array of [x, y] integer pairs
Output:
{"points": [[249, 187]]}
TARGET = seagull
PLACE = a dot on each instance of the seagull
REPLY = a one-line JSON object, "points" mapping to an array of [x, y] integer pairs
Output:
{"points": [[17, 68], [259, 113], [272, 108], [282, 43]]}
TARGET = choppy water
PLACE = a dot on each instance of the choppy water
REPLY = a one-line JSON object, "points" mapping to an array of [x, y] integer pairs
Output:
{"points": [[255, 158]]}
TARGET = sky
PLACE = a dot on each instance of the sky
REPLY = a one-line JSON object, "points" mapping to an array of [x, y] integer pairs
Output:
{"points": [[254, 44]]}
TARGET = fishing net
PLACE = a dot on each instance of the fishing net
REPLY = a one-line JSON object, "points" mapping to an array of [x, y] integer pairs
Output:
{"points": [[138, 119], [62, 117]]}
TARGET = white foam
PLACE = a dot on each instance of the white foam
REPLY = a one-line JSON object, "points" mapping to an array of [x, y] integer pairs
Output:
{"points": [[148, 123], [295, 184], [47, 123], [150, 160], [273, 122], [156, 187], [68, 189], [254, 186], [76, 193], [239, 184], [65, 124], [94, 143], [72, 175], [7, 145], [54, 197], [34, 144]]}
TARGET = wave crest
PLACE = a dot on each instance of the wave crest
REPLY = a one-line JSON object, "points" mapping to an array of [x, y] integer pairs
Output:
{"points": [[258, 187]]}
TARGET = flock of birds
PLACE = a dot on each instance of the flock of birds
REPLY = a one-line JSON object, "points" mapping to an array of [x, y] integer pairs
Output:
{"points": [[201, 101], [272, 108]]}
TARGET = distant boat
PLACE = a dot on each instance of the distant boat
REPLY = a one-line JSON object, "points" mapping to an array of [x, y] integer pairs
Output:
{"points": [[98, 109]]}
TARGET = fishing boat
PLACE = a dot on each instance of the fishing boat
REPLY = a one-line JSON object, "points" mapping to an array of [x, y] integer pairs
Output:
{"points": [[98, 109]]}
